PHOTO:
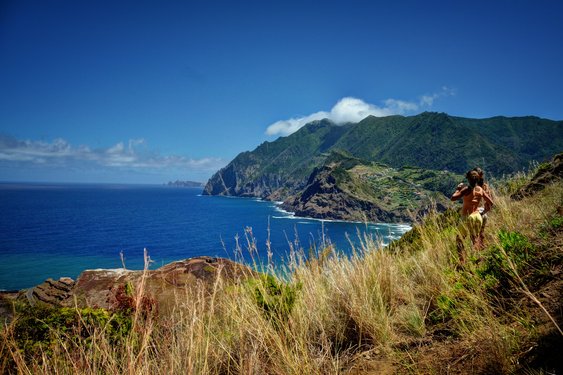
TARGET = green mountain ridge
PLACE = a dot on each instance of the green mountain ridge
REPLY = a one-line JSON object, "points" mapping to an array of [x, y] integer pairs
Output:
{"points": [[274, 169], [500, 145], [439, 141]]}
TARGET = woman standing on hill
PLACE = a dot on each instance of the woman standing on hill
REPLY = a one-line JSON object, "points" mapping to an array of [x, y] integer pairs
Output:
{"points": [[472, 219], [487, 207]]}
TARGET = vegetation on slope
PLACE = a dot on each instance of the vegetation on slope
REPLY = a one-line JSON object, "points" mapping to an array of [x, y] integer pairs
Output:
{"points": [[437, 141], [348, 188], [275, 167], [411, 307]]}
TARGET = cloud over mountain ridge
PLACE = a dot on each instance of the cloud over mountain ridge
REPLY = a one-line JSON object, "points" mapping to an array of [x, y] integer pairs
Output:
{"points": [[350, 109]]}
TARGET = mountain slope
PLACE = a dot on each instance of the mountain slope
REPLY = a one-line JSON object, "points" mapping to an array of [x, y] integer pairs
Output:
{"points": [[347, 188], [437, 141], [276, 167]]}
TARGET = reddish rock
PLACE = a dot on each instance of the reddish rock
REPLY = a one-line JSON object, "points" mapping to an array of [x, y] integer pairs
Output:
{"points": [[108, 288], [105, 287]]}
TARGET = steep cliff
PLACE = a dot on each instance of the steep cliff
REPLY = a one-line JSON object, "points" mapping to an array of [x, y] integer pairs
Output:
{"points": [[348, 188], [276, 169]]}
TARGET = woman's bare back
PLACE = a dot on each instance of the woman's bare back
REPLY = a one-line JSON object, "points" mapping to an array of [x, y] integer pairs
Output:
{"points": [[471, 201]]}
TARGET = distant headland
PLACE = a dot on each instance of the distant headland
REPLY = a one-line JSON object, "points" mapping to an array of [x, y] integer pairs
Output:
{"points": [[185, 184]]}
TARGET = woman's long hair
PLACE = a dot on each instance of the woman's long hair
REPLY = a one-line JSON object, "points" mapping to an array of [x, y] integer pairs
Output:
{"points": [[481, 174], [473, 178]]}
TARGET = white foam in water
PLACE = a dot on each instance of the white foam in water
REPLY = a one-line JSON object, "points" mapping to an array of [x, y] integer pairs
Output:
{"points": [[397, 229], [281, 210], [401, 227]]}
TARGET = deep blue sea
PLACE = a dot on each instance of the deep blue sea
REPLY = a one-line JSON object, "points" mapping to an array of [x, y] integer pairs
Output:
{"points": [[49, 230]]}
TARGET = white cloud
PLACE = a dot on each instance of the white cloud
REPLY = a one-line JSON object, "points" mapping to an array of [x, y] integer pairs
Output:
{"points": [[286, 127], [351, 109], [116, 150], [354, 110], [394, 106], [60, 153], [428, 100]]}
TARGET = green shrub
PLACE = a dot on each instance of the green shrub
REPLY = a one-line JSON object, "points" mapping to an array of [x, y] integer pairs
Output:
{"points": [[495, 269], [37, 328], [275, 298], [556, 222], [543, 167], [445, 309]]}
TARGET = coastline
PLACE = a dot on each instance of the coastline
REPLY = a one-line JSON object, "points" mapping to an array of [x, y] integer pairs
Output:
{"points": [[277, 205], [293, 215]]}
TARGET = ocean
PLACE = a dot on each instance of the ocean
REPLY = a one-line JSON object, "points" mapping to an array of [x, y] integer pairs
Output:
{"points": [[55, 230]]}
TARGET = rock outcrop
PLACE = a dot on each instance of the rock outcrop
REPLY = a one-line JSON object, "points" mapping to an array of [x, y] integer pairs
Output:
{"points": [[100, 288], [103, 287], [547, 173], [324, 199], [351, 189], [51, 292]]}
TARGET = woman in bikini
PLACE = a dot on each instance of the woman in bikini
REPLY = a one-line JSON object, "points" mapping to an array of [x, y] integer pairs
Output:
{"points": [[487, 207], [472, 219]]}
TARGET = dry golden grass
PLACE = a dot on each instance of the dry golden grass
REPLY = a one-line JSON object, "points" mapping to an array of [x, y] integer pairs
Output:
{"points": [[397, 306]]}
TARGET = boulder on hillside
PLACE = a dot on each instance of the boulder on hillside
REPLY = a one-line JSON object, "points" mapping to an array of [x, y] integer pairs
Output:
{"points": [[547, 173], [167, 284], [51, 292]]}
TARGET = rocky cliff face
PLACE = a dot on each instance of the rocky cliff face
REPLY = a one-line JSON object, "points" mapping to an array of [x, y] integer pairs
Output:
{"points": [[52, 292], [347, 189], [277, 169], [233, 180], [324, 199]]}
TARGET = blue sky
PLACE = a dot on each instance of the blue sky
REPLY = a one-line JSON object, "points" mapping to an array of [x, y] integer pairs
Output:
{"points": [[151, 91]]}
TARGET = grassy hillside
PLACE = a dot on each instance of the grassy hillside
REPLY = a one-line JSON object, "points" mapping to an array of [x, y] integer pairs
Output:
{"points": [[409, 308], [407, 186], [526, 136]]}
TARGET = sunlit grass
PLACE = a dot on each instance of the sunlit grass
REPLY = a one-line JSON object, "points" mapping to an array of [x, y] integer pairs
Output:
{"points": [[322, 313]]}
